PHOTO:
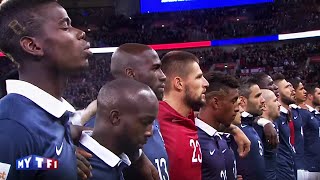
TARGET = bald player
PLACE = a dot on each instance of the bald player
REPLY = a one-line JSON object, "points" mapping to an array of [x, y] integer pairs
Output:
{"points": [[126, 110], [264, 81], [142, 63], [270, 113]]}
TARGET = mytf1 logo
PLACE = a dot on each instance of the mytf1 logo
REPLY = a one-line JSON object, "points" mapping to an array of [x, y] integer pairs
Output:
{"points": [[34, 162]]}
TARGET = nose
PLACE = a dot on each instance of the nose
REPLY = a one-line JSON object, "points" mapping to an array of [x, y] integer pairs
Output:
{"points": [[81, 34], [162, 77], [236, 108], [149, 131], [262, 101], [205, 82]]}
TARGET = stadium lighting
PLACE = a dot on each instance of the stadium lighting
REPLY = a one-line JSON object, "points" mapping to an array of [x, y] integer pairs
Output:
{"points": [[236, 41]]}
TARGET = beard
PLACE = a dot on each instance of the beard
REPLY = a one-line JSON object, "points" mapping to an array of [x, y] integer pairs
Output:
{"points": [[316, 103], [194, 103], [287, 100]]}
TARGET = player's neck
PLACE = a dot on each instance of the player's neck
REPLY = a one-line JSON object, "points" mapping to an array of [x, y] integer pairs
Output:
{"points": [[300, 103], [266, 116], [108, 141], [286, 106], [309, 103], [53, 84], [178, 105], [208, 118]]}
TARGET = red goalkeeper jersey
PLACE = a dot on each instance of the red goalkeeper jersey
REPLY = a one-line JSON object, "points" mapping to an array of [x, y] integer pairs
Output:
{"points": [[181, 142]]}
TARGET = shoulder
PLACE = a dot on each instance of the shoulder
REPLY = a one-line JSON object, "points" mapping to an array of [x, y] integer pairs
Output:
{"points": [[16, 142]]}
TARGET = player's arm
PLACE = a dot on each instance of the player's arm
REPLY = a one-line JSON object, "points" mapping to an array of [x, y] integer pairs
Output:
{"points": [[141, 168], [240, 138], [269, 131], [16, 143], [89, 112], [83, 166]]}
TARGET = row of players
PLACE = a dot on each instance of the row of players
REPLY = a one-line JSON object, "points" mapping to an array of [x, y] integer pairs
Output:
{"points": [[38, 36], [219, 100], [191, 148]]}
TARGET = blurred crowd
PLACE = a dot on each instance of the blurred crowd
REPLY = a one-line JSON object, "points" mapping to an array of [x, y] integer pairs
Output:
{"points": [[231, 22], [290, 58]]}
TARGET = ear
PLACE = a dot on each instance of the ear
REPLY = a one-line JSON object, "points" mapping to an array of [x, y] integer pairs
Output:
{"points": [[31, 46], [114, 117], [130, 72], [178, 83], [310, 97], [264, 107], [243, 101], [214, 103]]}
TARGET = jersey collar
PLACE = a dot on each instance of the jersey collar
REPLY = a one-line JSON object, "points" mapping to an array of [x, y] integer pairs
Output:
{"points": [[43, 99], [103, 153]]}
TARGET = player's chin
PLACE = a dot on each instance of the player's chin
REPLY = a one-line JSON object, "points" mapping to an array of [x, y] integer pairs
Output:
{"points": [[228, 123], [140, 146]]}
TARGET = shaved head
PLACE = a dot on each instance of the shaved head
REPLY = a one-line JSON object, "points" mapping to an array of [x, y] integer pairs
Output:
{"points": [[128, 55], [141, 63], [124, 94], [271, 109], [267, 94], [125, 112]]}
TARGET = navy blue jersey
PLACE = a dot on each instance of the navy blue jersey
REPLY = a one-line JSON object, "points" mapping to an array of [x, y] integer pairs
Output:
{"points": [[253, 165], [105, 164], [156, 152], [36, 127], [285, 156], [270, 154], [311, 131], [154, 149], [217, 157], [230, 158], [298, 135]]}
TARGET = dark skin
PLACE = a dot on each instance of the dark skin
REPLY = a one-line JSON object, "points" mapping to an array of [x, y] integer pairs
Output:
{"points": [[50, 47], [58, 51], [141, 63], [269, 131], [129, 121], [221, 110]]}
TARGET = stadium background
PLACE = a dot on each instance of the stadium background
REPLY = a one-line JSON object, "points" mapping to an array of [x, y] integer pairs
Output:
{"points": [[110, 23]]}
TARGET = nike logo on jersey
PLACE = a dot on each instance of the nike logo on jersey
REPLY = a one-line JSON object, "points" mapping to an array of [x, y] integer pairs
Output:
{"points": [[295, 117], [243, 126], [58, 151], [224, 151], [212, 152], [283, 123]]}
